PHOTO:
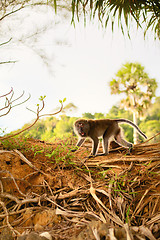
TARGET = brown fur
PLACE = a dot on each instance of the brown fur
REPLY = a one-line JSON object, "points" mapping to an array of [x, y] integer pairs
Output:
{"points": [[105, 128]]}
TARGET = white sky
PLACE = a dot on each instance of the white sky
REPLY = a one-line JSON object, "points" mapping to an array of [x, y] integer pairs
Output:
{"points": [[79, 70]]}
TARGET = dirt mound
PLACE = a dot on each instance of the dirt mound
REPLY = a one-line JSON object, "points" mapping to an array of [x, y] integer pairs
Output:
{"points": [[46, 187]]}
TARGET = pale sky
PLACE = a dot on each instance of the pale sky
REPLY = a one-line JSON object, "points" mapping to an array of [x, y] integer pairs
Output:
{"points": [[80, 66]]}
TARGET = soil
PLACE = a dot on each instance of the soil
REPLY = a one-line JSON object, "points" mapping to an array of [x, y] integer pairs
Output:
{"points": [[46, 187]]}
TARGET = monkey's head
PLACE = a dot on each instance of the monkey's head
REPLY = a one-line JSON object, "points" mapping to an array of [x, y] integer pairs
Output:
{"points": [[82, 127]]}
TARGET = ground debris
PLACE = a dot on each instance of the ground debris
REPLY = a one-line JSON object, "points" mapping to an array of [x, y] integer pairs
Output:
{"points": [[45, 187]]}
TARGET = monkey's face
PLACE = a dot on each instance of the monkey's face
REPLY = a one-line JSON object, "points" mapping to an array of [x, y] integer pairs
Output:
{"points": [[82, 127]]}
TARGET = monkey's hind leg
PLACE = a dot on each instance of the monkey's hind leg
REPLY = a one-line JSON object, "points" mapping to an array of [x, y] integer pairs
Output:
{"points": [[123, 142]]}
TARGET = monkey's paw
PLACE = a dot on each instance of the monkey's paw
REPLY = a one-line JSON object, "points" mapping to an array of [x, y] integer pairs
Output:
{"points": [[91, 156], [73, 150]]}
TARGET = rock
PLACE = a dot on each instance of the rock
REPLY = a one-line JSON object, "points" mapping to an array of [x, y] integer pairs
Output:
{"points": [[38, 228], [102, 230], [22, 237], [47, 235], [33, 236], [27, 218], [46, 217], [6, 234]]}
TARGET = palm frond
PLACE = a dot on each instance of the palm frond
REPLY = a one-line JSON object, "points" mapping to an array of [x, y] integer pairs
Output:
{"points": [[143, 12]]}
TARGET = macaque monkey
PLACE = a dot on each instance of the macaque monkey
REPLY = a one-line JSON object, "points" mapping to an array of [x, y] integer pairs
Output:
{"points": [[105, 128]]}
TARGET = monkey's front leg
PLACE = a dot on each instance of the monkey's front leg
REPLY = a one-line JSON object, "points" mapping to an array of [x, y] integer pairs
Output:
{"points": [[79, 143], [105, 145], [94, 147]]}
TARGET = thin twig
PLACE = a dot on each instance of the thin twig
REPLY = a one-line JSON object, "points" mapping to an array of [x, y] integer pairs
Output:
{"points": [[8, 62], [5, 171], [15, 232], [37, 118], [147, 140], [7, 93], [1, 44]]}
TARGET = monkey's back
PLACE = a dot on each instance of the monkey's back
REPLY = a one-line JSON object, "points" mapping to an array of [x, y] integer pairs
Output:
{"points": [[98, 127]]}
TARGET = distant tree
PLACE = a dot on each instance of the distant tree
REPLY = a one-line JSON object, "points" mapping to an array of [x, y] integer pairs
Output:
{"points": [[69, 107], [88, 115], [64, 127], [139, 89], [99, 116], [36, 131], [10, 8], [151, 128], [154, 110], [117, 112], [43, 129], [151, 124]]}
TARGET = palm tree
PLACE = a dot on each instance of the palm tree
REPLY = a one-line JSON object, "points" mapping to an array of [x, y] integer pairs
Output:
{"points": [[138, 88], [142, 11]]}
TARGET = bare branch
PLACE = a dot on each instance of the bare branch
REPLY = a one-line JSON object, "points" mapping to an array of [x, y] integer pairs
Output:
{"points": [[21, 202], [9, 102], [7, 93], [22, 102], [8, 106], [18, 97], [7, 219], [9, 109], [37, 118], [8, 62], [1, 44], [5, 171], [52, 114], [12, 12]]}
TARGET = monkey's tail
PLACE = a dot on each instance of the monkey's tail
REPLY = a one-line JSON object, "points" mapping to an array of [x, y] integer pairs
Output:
{"points": [[132, 124]]}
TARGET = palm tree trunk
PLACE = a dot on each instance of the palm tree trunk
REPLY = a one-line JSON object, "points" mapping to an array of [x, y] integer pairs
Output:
{"points": [[135, 133]]}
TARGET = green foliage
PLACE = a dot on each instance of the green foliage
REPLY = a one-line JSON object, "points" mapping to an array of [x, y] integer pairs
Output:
{"points": [[14, 143], [2, 131], [43, 129], [93, 116], [64, 127], [62, 101], [154, 110], [135, 83], [145, 13], [138, 88], [99, 116], [151, 127], [116, 112], [62, 156], [51, 128], [88, 115]]}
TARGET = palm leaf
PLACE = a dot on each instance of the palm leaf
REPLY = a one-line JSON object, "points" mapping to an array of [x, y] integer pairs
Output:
{"points": [[136, 10]]}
